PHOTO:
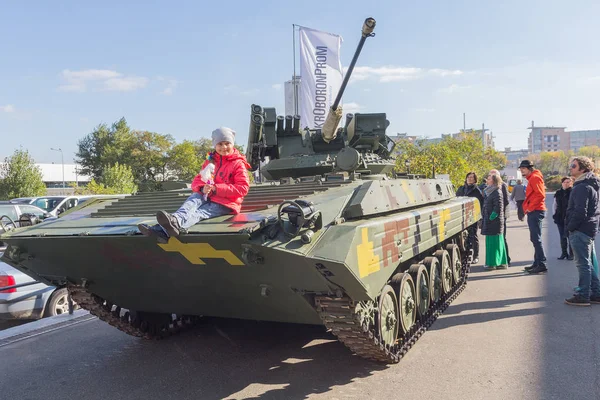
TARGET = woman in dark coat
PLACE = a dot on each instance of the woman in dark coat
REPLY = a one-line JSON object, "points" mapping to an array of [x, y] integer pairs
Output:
{"points": [[470, 189], [493, 224]]}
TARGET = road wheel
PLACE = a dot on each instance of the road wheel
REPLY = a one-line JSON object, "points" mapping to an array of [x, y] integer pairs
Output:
{"points": [[388, 316], [446, 272], [420, 277], [435, 278], [455, 262]]}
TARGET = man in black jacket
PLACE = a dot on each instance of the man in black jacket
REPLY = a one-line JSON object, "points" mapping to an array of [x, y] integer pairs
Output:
{"points": [[561, 200], [470, 189], [582, 223]]}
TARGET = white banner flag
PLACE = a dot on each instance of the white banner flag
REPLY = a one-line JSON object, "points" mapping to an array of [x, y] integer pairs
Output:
{"points": [[320, 75]]}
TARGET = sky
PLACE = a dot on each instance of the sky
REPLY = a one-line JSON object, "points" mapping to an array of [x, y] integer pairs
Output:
{"points": [[186, 67]]}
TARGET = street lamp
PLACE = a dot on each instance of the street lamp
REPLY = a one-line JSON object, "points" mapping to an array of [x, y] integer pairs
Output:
{"points": [[62, 160]]}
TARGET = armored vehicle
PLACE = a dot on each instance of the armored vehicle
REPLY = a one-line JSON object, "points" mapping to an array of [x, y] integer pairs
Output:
{"points": [[334, 238]]}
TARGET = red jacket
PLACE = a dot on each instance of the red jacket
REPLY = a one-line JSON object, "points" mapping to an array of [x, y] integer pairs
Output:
{"points": [[231, 180], [535, 196]]}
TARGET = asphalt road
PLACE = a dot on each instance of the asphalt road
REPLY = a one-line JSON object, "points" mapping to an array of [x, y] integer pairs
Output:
{"points": [[507, 336]]}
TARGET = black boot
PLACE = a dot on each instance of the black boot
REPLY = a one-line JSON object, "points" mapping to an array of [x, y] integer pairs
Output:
{"points": [[168, 222], [155, 231], [563, 246]]}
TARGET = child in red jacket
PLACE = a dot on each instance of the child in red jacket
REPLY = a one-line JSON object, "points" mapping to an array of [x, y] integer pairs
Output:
{"points": [[221, 195]]}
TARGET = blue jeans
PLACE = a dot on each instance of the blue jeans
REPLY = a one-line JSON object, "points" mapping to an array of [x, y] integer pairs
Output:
{"points": [[196, 209], [588, 276], [534, 221]]}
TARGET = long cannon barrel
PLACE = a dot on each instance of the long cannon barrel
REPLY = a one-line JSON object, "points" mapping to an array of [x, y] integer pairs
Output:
{"points": [[335, 113]]}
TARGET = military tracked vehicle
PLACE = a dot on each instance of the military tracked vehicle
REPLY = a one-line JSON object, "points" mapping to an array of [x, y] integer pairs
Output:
{"points": [[334, 238]]}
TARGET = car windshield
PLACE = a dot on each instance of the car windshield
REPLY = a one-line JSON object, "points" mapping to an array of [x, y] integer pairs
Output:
{"points": [[47, 203], [9, 211]]}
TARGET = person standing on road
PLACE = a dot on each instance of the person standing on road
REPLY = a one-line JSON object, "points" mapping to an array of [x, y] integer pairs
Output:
{"points": [[470, 189], [583, 215], [493, 224], [505, 202], [534, 207], [561, 200], [518, 196]]}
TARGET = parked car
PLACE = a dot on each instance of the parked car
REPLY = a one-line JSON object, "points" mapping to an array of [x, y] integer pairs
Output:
{"points": [[55, 205], [34, 301], [14, 212]]}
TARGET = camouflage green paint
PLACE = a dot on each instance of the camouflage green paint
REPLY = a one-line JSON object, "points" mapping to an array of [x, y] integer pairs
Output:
{"points": [[229, 266]]}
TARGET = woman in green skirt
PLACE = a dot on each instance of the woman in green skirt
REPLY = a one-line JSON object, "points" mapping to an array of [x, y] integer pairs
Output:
{"points": [[493, 225]]}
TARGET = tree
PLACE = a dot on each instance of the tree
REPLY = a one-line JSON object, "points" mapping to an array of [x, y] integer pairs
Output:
{"points": [[116, 179], [105, 146], [453, 156], [592, 152], [20, 177], [149, 158], [186, 159]]}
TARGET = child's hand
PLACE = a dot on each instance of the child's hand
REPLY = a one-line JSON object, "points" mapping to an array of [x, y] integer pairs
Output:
{"points": [[206, 189]]}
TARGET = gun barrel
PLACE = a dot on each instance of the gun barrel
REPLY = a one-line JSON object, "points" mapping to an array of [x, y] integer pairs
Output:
{"points": [[335, 114], [367, 31]]}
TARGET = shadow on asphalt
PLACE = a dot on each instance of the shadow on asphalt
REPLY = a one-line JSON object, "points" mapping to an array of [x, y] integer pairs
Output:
{"points": [[218, 359]]}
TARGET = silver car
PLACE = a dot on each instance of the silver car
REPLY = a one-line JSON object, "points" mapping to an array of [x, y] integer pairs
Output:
{"points": [[29, 302]]}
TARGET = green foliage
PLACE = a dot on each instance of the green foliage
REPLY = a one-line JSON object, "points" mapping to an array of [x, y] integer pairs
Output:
{"points": [[453, 156], [105, 146], [116, 179], [185, 159], [20, 177], [553, 183], [592, 152]]}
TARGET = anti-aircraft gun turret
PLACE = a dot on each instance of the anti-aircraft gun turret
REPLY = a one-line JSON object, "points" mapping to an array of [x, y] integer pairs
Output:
{"points": [[360, 146]]}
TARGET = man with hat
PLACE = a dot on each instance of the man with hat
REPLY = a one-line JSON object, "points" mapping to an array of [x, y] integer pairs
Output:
{"points": [[534, 207]]}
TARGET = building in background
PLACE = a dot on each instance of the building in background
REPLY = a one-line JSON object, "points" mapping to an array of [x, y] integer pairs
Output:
{"points": [[552, 138], [547, 138], [489, 137], [579, 139], [291, 89], [52, 175], [514, 157]]}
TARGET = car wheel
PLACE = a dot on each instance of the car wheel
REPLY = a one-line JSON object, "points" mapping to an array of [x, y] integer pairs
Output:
{"points": [[58, 303]]}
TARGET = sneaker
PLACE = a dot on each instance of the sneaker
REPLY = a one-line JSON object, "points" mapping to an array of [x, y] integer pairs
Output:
{"points": [[532, 266], [155, 231], [539, 269], [595, 299], [475, 260], [168, 222], [577, 300]]}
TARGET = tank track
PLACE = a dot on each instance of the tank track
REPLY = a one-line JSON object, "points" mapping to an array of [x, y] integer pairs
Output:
{"points": [[339, 316], [132, 323]]}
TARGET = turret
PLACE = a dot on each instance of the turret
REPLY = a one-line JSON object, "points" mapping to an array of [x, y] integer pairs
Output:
{"points": [[359, 147]]}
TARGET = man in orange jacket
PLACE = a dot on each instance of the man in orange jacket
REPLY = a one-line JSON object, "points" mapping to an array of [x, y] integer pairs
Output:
{"points": [[534, 207]]}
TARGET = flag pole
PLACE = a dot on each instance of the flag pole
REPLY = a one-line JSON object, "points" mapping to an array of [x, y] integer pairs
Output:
{"points": [[294, 76]]}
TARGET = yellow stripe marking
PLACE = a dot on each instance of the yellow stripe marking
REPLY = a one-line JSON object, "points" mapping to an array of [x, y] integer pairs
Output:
{"points": [[195, 252], [368, 261]]}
